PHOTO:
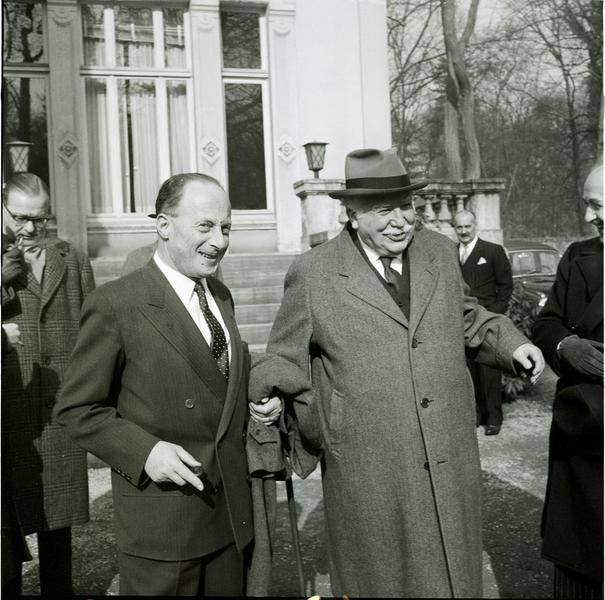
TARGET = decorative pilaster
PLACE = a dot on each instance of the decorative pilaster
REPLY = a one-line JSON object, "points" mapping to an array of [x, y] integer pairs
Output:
{"points": [[65, 120]]}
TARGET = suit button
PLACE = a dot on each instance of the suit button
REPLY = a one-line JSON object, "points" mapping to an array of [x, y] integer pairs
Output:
{"points": [[189, 403], [414, 343], [424, 402]]}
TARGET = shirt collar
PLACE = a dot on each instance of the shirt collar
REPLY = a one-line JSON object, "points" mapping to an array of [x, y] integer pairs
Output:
{"points": [[182, 285], [471, 245]]}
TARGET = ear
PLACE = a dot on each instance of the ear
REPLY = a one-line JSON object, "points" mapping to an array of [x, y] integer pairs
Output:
{"points": [[163, 226], [352, 216]]}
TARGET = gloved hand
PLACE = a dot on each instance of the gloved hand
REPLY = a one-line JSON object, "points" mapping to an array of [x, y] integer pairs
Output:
{"points": [[583, 355], [12, 265]]}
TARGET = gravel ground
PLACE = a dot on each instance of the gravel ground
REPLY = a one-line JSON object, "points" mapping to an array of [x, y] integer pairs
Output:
{"points": [[514, 478]]}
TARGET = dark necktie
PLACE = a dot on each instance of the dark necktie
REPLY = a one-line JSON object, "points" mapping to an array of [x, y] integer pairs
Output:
{"points": [[218, 343], [392, 277]]}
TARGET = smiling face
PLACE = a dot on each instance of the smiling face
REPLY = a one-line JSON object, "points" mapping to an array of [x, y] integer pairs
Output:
{"points": [[195, 234], [593, 199], [384, 223]]}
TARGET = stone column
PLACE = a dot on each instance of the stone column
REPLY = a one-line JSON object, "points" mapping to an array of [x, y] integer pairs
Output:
{"points": [[65, 120], [322, 217], [485, 203]]}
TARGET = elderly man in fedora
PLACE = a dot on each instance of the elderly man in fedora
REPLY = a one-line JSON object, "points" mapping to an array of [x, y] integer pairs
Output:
{"points": [[368, 349]]}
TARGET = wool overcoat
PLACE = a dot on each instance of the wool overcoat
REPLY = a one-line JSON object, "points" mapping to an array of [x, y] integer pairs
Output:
{"points": [[390, 403], [141, 373], [572, 522], [47, 471]]}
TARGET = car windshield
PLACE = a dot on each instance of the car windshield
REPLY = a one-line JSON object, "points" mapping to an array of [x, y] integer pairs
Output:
{"points": [[533, 262]]}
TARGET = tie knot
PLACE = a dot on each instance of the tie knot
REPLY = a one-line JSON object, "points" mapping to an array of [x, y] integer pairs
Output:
{"points": [[386, 261], [200, 291]]}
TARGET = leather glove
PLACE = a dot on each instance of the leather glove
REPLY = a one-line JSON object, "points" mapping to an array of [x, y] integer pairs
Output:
{"points": [[12, 265], [583, 355]]}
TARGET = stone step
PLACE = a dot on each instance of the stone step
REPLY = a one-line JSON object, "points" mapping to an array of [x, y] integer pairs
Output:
{"points": [[248, 314], [257, 295], [255, 333]]}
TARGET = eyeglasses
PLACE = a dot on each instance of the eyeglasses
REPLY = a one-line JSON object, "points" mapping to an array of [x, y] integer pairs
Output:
{"points": [[21, 220]]}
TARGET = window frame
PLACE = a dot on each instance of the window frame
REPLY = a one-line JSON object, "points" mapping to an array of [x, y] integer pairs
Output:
{"points": [[159, 74]]}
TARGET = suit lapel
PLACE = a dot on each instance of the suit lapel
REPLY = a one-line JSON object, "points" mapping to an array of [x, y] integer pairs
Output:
{"points": [[361, 280], [236, 375], [54, 271], [423, 277], [166, 312]]}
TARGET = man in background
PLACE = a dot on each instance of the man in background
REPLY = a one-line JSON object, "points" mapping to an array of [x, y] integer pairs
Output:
{"points": [[486, 270], [569, 330], [44, 283]]}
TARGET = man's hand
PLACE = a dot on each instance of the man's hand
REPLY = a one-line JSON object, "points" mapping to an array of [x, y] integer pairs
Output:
{"points": [[13, 335], [168, 462], [12, 265], [530, 358], [267, 411], [583, 355]]}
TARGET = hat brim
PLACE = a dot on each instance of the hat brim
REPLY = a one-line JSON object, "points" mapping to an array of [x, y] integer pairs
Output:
{"points": [[376, 192]]}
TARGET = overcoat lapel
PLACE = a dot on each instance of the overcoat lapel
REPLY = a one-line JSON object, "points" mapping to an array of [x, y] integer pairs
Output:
{"points": [[166, 312], [54, 271], [590, 267], [361, 280], [424, 275], [236, 375]]}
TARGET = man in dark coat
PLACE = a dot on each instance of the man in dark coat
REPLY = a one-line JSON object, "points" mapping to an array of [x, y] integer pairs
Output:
{"points": [[157, 388], [569, 330], [487, 272], [44, 283], [381, 316]]}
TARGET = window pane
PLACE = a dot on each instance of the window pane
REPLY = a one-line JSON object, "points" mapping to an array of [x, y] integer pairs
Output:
{"points": [[245, 146], [174, 38], [134, 36], [241, 40], [178, 126], [23, 32], [139, 143], [24, 105], [94, 34], [98, 145]]}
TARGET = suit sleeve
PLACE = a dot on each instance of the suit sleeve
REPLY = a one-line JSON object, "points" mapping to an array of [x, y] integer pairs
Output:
{"points": [[87, 402], [503, 281], [550, 327]]}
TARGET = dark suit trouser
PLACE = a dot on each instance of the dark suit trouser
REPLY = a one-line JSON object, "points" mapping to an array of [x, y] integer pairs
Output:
{"points": [[218, 574], [488, 393]]}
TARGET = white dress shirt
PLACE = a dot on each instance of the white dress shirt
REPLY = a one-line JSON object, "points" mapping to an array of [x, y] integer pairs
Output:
{"points": [[374, 259], [471, 246], [184, 288]]}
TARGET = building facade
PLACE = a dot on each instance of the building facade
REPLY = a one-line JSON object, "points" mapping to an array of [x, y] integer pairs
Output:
{"points": [[117, 96]]}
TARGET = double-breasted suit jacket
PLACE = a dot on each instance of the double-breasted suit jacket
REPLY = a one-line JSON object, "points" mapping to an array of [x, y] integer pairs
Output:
{"points": [[572, 522], [389, 404], [142, 372], [488, 273], [46, 470]]}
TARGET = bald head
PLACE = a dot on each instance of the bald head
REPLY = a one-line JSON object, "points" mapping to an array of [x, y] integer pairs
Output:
{"points": [[465, 225], [593, 198]]}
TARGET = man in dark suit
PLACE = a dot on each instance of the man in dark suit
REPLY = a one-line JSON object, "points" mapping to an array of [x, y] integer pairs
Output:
{"points": [[157, 388], [44, 474], [487, 272], [569, 330]]}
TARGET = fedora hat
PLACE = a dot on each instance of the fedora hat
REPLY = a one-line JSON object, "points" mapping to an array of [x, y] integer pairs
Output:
{"points": [[371, 172]]}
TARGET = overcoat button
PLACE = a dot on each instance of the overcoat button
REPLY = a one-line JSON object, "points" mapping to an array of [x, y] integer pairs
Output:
{"points": [[189, 403], [424, 402], [426, 466], [414, 343]]}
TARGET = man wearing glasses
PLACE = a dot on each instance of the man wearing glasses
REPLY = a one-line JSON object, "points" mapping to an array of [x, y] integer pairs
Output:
{"points": [[44, 282]]}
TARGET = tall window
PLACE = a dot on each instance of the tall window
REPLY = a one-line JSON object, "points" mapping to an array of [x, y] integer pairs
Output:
{"points": [[245, 80], [25, 81], [137, 86]]}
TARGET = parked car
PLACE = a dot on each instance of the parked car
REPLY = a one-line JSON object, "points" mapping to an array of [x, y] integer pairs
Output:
{"points": [[534, 267]]}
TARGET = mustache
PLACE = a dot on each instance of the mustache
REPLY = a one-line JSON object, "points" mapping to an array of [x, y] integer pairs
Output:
{"points": [[597, 222]]}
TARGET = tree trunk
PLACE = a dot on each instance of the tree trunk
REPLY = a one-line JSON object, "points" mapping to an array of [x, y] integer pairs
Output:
{"points": [[453, 161]]}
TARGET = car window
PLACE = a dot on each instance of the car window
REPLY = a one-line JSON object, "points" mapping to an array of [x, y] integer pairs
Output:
{"points": [[529, 262]]}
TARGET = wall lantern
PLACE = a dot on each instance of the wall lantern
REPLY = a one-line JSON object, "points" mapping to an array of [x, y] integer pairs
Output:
{"points": [[18, 154], [316, 152]]}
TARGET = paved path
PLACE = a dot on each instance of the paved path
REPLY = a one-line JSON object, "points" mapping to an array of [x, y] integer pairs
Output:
{"points": [[514, 478]]}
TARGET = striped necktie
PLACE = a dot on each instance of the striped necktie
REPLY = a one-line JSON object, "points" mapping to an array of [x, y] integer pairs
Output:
{"points": [[218, 343]]}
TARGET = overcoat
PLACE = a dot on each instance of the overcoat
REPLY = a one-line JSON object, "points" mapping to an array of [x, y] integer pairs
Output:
{"points": [[391, 405], [47, 471], [572, 521], [142, 372]]}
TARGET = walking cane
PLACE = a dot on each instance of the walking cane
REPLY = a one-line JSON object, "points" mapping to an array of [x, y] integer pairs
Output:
{"points": [[295, 539]]}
